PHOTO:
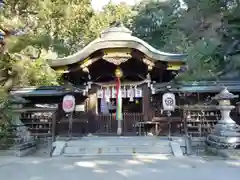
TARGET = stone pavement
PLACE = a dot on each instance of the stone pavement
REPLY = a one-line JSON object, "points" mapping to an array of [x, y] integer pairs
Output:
{"points": [[140, 167]]}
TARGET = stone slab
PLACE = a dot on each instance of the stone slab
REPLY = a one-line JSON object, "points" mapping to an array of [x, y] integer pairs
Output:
{"points": [[176, 149], [115, 150], [118, 142], [58, 148], [25, 152], [116, 146]]}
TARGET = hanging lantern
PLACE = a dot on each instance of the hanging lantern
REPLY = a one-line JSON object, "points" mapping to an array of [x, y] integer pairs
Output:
{"points": [[169, 101]]}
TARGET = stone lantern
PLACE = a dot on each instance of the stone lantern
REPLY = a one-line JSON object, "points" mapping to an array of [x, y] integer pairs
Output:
{"points": [[226, 133]]}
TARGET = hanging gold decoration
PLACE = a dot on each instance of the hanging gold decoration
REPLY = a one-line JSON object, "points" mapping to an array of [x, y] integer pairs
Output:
{"points": [[117, 58], [118, 73]]}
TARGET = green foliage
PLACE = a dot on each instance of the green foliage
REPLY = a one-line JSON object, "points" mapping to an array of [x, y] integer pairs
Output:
{"points": [[103, 19], [204, 31], [20, 70], [41, 74], [6, 115], [154, 21]]}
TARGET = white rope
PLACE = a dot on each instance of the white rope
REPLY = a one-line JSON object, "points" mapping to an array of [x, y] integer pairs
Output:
{"points": [[110, 84]]}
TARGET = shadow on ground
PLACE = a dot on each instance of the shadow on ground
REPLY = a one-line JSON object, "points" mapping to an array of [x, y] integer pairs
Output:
{"points": [[134, 167]]}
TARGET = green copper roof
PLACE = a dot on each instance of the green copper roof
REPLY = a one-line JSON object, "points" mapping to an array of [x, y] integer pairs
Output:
{"points": [[44, 91], [116, 37], [200, 86]]}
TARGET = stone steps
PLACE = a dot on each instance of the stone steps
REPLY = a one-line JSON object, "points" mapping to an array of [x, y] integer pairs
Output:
{"points": [[101, 143], [116, 150], [105, 146]]}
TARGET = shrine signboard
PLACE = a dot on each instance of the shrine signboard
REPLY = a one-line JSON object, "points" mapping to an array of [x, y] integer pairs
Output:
{"points": [[68, 103]]}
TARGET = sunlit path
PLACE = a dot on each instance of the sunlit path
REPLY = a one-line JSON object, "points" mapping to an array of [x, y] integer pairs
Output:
{"points": [[139, 167]]}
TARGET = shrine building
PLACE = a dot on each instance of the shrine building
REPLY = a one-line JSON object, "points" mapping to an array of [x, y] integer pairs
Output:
{"points": [[90, 76]]}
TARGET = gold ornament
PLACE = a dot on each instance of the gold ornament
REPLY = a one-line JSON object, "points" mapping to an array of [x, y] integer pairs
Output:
{"points": [[118, 73]]}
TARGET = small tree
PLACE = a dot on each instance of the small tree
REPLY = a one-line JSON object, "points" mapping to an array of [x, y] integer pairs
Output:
{"points": [[6, 114]]}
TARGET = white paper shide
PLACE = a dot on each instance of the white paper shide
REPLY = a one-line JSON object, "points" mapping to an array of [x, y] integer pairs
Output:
{"points": [[126, 92], [107, 94], [100, 93], [138, 92]]}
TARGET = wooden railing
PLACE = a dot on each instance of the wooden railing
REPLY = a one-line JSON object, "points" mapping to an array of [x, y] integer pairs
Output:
{"points": [[108, 123], [80, 123]]}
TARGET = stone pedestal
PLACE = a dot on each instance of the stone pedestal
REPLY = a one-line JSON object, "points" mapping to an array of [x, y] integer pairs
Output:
{"points": [[226, 133]]}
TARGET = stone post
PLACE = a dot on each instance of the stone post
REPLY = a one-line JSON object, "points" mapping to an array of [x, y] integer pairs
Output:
{"points": [[226, 133]]}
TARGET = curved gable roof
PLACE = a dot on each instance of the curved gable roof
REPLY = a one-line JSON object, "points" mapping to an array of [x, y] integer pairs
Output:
{"points": [[116, 37]]}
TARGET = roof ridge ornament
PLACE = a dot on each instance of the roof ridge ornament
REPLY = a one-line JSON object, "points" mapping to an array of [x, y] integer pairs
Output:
{"points": [[116, 28], [116, 24]]}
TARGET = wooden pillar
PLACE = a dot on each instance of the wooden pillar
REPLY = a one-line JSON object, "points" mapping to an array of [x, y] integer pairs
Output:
{"points": [[92, 102], [54, 117], [146, 102], [91, 110]]}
